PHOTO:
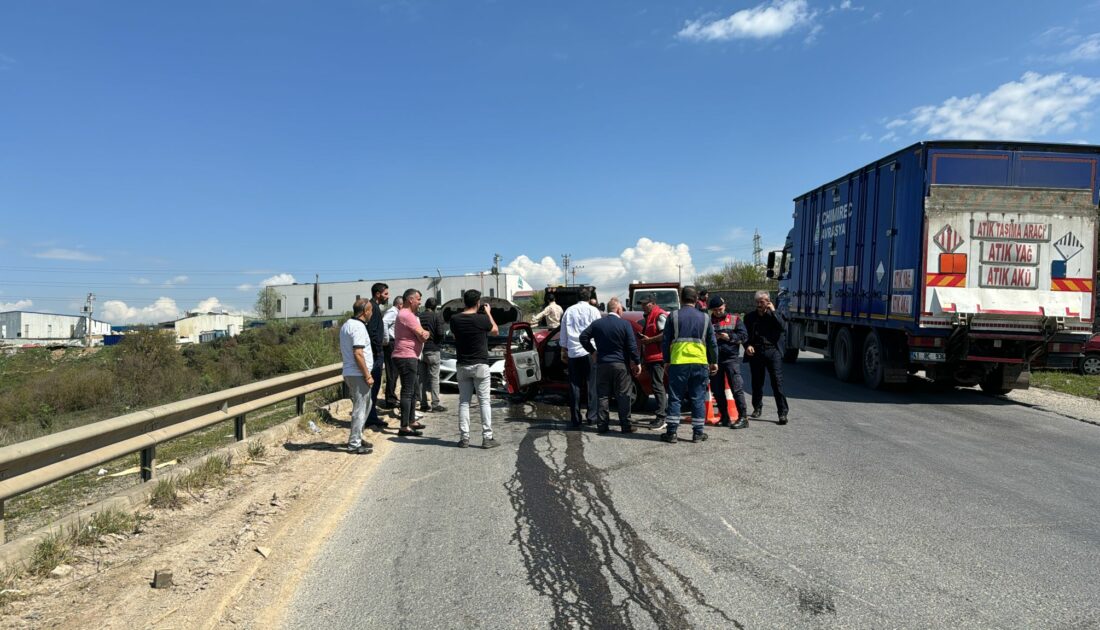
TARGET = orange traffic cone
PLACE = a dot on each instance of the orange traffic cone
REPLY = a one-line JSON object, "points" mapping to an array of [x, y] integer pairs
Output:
{"points": [[731, 406], [712, 416]]}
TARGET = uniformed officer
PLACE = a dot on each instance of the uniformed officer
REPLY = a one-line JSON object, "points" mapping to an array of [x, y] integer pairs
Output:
{"points": [[731, 333]]}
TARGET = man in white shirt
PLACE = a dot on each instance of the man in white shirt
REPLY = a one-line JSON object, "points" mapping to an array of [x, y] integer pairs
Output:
{"points": [[358, 360], [552, 312], [389, 320], [582, 372]]}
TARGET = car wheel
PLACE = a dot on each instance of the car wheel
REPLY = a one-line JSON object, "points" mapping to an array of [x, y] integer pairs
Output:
{"points": [[1090, 365], [639, 403]]}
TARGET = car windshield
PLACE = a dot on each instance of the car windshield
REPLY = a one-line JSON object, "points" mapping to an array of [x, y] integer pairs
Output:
{"points": [[667, 299]]}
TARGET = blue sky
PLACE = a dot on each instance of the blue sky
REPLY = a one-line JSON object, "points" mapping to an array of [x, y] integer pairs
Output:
{"points": [[172, 155]]}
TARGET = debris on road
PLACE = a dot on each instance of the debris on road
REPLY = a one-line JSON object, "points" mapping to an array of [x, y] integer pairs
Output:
{"points": [[264, 551], [162, 578], [61, 571]]}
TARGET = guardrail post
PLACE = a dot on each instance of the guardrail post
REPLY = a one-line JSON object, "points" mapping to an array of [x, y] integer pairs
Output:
{"points": [[3, 538], [240, 430], [148, 463], [299, 405]]}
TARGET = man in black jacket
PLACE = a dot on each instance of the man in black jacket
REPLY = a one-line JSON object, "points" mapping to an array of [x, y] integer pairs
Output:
{"points": [[615, 346], [730, 333], [380, 294], [767, 340]]}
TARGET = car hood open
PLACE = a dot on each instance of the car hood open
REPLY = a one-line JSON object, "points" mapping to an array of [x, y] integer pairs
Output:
{"points": [[504, 312]]}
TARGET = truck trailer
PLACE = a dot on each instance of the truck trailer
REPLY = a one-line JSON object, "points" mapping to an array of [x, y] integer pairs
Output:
{"points": [[968, 260]]}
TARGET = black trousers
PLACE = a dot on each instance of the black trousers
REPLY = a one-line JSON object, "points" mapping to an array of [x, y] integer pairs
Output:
{"points": [[658, 377], [376, 374], [391, 376], [409, 370], [769, 359], [613, 379], [729, 372], [582, 373]]}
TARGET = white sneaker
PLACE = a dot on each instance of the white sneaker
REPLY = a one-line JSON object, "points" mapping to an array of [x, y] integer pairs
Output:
{"points": [[417, 415]]}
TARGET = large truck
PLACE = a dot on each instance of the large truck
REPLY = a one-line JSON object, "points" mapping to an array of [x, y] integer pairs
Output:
{"points": [[968, 260]]}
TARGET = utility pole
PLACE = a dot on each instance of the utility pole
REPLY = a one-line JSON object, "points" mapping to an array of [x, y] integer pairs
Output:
{"points": [[89, 308], [565, 266], [680, 275], [573, 270], [496, 272], [757, 250]]}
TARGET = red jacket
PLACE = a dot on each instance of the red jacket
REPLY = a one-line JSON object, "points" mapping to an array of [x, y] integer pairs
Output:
{"points": [[651, 352]]}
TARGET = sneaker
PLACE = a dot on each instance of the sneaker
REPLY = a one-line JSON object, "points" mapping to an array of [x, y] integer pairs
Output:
{"points": [[627, 429], [756, 413], [464, 442], [425, 408], [365, 449], [656, 423], [782, 420], [698, 437], [417, 415], [438, 408], [602, 428], [489, 443], [668, 437], [409, 433], [381, 424]]}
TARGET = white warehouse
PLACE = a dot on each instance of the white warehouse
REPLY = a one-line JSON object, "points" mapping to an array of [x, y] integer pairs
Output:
{"points": [[196, 326], [335, 298], [30, 327]]}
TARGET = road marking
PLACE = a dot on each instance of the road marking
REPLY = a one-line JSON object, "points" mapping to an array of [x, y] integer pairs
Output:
{"points": [[797, 568]]}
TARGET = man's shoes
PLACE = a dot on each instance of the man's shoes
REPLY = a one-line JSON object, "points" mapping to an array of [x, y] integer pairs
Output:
{"points": [[698, 436], [489, 443], [425, 408], [668, 437], [418, 426], [381, 424], [742, 423], [782, 420], [365, 449], [438, 408], [417, 415], [464, 442], [724, 422], [575, 426], [409, 433], [602, 428], [628, 429], [756, 413], [385, 404], [657, 423]]}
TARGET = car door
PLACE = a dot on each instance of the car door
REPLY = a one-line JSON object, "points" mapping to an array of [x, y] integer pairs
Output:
{"points": [[521, 358]]}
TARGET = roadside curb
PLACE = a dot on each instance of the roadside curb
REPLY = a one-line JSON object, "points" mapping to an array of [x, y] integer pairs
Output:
{"points": [[16, 553]]}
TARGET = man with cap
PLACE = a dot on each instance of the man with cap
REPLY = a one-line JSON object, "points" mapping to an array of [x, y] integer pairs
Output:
{"points": [[691, 351], [730, 332], [650, 336]]}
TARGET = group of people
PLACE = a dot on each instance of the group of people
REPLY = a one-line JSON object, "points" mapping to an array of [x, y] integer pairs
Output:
{"points": [[407, 345], [683, 352]]}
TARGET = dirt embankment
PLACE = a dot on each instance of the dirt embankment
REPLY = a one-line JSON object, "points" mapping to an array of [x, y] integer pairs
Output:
{"points": [[285, 502]]}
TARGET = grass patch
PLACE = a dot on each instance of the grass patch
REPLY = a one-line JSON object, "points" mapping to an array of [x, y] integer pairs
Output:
{"points": [[256, 449], [1067, 383], [166, 495], [211, 472], [102, 523], [55, 549]]}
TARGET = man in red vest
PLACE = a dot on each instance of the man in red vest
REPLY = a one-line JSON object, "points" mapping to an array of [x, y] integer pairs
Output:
{"points": [[731, 333], [652, 334]]}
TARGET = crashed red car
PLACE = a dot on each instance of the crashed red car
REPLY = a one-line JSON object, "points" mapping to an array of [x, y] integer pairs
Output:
{"points": [[533, 363]]}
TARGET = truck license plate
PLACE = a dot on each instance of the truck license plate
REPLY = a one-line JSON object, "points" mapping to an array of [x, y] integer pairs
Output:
{"points": [[932, 357]]}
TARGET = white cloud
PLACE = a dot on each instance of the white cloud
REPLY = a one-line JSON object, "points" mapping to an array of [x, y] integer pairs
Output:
{"points": [[282, 278], [647, 261], [214, 305], [760, 22], [537, 274], [245, 287], [1087, 49], [57, 253], [161, 310], [864, 137], [171, 282], [1036, 105], [140, 280], [18, 305], [713, 248]]}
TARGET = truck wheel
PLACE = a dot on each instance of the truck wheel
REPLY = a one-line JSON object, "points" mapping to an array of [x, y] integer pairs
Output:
{"points": [[844, 356], [873, 363], [790, 355]]}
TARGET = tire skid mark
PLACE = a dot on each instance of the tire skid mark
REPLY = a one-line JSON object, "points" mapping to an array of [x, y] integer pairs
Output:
{"points": [[580, 552]]}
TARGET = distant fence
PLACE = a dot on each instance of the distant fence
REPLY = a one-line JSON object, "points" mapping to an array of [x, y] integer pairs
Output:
{"points": [[35, 463], [742, 299]]}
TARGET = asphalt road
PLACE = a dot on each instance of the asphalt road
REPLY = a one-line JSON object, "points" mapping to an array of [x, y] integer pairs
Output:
{"points": [[911, 508]]}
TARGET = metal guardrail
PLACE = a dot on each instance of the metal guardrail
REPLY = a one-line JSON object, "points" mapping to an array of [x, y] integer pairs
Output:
{"points": [[34, 463]]}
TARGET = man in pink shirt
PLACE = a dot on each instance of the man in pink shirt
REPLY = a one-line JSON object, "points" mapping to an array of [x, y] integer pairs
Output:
{"points": [[408, 343]]}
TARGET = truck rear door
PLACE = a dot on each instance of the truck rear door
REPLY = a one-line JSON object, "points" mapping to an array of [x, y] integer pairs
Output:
{"points": [[1010, 238]]}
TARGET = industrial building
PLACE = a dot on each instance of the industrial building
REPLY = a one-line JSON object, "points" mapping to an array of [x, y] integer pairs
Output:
{"points": [[28, 327], [201, 327], [335, 298]]}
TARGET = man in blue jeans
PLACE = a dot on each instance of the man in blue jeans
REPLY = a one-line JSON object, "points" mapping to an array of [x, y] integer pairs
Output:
{"points": [[691, 351], [471, 329]]}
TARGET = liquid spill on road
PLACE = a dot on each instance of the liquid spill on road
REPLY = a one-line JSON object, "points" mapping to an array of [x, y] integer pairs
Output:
{"points": [[578, 550]]}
